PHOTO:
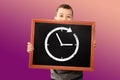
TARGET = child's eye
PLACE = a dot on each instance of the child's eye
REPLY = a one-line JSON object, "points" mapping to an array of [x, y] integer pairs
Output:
{"points": [[61, 15], [68, 16]]}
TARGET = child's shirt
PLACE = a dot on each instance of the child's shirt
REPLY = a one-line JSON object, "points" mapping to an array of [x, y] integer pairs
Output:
{"points": [[66, 75]]}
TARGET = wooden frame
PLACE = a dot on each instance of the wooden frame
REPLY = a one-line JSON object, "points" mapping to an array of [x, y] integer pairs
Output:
{"points": [[62, 67]]}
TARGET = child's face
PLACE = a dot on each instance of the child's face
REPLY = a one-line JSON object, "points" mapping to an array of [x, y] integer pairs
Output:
{"points": [[64, 14]]}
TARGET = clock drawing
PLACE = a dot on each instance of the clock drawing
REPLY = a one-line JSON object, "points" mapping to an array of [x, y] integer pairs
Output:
{"points": [[59, 47]]}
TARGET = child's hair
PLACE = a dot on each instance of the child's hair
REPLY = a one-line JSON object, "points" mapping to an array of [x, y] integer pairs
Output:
{"points": [[66, 6]]}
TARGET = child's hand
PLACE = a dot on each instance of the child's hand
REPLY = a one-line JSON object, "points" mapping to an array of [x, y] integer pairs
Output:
{"points": [[29, 47], [94, 43]]}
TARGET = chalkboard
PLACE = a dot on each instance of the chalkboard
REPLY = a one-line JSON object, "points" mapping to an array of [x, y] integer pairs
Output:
{"points": [[62, 45]]}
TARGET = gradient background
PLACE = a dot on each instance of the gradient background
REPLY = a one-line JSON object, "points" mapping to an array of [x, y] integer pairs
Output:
{"points": [[15, 23]]}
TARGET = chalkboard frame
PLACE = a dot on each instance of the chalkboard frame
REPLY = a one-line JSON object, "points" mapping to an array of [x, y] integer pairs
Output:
{"points": [[40, 66]]}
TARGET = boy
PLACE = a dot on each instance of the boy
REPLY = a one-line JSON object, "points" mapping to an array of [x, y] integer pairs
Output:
{"points": [[65, 13]]}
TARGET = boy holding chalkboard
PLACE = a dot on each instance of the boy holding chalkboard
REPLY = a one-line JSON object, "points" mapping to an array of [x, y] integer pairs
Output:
{"points": [[64, 13]]}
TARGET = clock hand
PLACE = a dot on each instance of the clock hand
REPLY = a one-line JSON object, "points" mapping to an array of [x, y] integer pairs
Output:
{"points": [[67, 45], [59, 39], [61, 44]]}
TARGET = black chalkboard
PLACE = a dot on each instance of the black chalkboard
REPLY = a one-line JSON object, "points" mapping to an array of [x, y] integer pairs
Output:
{"points": [[62, 44]]}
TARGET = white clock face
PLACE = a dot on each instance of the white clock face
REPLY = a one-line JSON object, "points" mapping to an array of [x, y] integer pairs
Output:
{"points": [[61, 45]]}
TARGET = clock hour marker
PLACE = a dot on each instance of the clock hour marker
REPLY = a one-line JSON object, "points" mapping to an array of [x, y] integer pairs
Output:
{"points": [[61, 57], [61, 30]]}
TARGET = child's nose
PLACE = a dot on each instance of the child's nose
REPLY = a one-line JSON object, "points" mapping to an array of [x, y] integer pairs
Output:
{"points": [[64, 18]]}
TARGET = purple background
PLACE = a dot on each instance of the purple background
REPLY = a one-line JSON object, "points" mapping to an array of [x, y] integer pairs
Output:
{"points": [[15, 23]]}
